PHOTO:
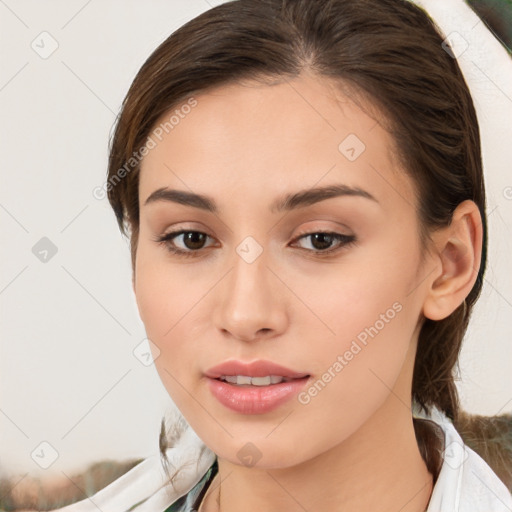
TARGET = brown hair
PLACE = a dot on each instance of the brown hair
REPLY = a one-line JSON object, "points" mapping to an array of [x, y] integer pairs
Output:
{"points": [[388, 50]]}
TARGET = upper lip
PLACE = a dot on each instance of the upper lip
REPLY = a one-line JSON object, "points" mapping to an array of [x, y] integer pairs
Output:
{"points": [[259, 368]]}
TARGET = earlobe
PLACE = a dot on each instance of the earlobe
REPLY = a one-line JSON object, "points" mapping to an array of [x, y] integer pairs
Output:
{"points": [[458, 256]]}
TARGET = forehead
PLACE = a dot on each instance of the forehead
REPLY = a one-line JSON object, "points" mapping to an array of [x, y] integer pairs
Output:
{"points": [[257, 138]]}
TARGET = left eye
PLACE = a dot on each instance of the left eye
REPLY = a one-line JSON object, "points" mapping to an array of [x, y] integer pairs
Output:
{"points": [[323, 241]]}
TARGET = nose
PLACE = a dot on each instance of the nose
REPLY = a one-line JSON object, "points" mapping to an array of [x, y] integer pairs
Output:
{"points": [[251, 303]]}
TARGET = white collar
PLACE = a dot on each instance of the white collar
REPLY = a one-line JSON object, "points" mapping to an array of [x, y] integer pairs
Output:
{"points": [[465, 483], [146, 487]]}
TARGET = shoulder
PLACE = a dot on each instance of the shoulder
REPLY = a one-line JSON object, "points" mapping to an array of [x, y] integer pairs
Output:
{"points": [[481, 489], [466, 483], [148, 487]]}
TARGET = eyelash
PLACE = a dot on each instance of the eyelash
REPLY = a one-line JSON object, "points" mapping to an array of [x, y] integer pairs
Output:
{"points": [[344, 241]]}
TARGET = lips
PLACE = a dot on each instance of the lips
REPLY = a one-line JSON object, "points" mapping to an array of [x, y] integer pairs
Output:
{"points": [[254, 399], [259, 368]]}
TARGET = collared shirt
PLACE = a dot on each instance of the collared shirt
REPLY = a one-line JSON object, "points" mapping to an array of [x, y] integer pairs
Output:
{"points": [[465, 482]]}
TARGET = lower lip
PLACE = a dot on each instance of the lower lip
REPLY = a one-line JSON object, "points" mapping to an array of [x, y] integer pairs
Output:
{"points": [[255, 399]]}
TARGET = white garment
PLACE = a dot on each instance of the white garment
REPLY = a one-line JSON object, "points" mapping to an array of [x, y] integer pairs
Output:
{"points": [[465, 483], [145, 487]]}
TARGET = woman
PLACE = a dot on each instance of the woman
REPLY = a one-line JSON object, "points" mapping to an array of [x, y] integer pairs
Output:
{"points": [[302, 186]]}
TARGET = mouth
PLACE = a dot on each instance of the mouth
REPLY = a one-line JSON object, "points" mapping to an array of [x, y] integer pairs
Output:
{"points": [[248, 381], [256, 373], [255, 395], [254, 388]]}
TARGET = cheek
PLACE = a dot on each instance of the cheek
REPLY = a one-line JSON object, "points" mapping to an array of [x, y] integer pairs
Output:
{"points": [[161, 308], [170, 300], [357, 298], [368, 317], [370, 326], [160, 291], [356, 369]]}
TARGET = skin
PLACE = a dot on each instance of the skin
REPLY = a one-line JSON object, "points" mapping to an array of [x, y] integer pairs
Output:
{"points": [[352, 447]]}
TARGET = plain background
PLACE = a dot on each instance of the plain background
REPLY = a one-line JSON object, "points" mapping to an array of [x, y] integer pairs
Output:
{"points": [[69, 325]]}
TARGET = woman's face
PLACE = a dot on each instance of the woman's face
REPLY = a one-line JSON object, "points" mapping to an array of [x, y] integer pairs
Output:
{"points": [[253, 281]]}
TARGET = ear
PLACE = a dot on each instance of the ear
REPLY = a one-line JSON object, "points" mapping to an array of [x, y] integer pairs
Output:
{"points": [[458, 252]]}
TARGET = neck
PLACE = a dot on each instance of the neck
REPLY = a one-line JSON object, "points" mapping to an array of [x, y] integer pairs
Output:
{"points": [[377, 468]]}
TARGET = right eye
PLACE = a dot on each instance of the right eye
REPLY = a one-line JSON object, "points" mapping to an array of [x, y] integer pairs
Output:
{"points": [[191, 242]]}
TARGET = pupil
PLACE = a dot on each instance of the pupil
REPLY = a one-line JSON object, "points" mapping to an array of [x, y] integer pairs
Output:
{"points": [[324, 238], [194, 240]]}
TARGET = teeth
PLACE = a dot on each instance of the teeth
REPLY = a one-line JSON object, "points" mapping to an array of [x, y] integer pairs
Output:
{"points": [[241, 380]]}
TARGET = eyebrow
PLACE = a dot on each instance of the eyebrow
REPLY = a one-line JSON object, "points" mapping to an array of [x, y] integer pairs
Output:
{"points": [[288, 202]]}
